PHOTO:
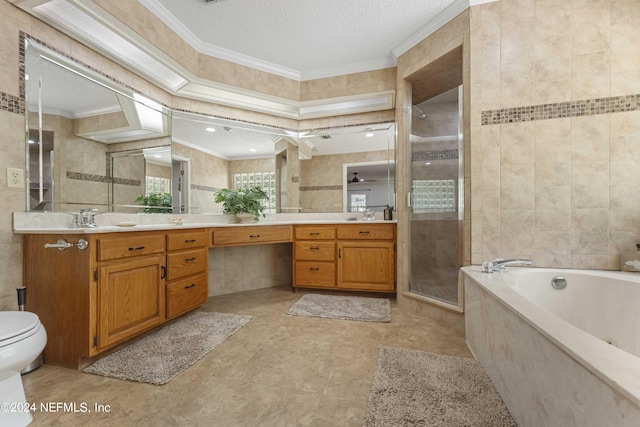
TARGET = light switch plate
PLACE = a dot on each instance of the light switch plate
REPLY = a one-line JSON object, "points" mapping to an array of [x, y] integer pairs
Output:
{"points": [[15, 178]]}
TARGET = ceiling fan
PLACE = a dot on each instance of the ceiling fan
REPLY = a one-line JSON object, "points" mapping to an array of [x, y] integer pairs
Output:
{"points": [[356, 180]]}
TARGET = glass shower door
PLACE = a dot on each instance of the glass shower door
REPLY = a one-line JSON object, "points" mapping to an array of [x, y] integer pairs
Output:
{"points": [[436, 199]]}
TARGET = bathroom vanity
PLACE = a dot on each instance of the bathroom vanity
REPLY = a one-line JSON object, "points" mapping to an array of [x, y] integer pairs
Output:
{"points": [[122, 284], [127, 281], [358, 257]]}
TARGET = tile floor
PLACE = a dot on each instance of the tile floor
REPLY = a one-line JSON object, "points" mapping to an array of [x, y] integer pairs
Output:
{"points": [[278, 370]]}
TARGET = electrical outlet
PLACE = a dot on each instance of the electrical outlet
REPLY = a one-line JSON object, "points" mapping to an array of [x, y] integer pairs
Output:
{"points": [[15, 178]]}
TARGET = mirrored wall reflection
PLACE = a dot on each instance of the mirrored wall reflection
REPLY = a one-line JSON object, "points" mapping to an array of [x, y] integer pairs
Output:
{"points": [[102, 145], [83, 121], [302, 171]]}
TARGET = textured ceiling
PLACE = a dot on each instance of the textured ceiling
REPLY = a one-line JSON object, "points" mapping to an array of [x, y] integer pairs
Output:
{"points": [[314, 38]]}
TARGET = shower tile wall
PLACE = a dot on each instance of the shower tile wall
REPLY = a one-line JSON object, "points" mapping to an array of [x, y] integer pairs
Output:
{"points": [[559, 187]]}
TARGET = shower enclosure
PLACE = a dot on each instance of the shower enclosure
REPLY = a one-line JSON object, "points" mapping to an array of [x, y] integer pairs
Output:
{"points": [[436, 202]]}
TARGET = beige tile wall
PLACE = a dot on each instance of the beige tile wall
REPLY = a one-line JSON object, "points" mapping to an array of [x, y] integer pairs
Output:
{"points": [[559, 191], [243, 268]]}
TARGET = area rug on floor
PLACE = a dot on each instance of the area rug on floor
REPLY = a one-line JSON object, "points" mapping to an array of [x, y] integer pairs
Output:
{"points": [[343, 307], [160, 356], [416, 388]]}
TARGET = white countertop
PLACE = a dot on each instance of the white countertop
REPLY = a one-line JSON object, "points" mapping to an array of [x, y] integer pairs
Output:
{"points": [[61, 223]]}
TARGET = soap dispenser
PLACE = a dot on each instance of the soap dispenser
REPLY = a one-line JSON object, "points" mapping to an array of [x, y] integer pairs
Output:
{"points": [[630, 261]]}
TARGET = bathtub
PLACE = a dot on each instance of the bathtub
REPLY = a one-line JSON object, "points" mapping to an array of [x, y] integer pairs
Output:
{"points": [[558, 357]]}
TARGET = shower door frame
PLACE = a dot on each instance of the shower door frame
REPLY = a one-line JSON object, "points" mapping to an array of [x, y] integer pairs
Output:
{"points": [[459, 307]]}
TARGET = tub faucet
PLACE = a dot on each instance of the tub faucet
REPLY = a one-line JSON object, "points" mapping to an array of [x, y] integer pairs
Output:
{"points": [[500, 264]]}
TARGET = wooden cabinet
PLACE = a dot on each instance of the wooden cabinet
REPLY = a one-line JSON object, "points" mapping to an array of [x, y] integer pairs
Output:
{"points": [[365, 265], [131, 298], [358, 257], [314, 253], [131, 277], [187, 274], [250, 235], [120, 286]]}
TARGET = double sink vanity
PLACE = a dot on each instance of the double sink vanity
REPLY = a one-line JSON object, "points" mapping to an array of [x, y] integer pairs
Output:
{"points": [[128, 280]]}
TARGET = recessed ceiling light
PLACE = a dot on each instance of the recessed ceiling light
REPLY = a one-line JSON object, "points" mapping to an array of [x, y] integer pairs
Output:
{"points": [[428, 163], [368, 134], [157, 155], [253, 150], [210, 129]]}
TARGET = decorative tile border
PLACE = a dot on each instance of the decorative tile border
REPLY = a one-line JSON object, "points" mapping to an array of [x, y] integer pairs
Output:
{"points": [[322, 187], [11, 103], [589, 107], [204, 188], [102, 178], [434, 155]]}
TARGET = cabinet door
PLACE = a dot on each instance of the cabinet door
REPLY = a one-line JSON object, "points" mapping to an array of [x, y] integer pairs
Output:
{"points": [[366, 265], [131, 298]]}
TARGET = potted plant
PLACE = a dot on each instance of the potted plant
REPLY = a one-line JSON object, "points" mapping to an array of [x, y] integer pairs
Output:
{"points": [[155, 203], [239, 202]]}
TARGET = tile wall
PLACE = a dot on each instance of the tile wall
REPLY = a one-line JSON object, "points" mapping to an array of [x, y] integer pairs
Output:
{"points": [[555, 131]]}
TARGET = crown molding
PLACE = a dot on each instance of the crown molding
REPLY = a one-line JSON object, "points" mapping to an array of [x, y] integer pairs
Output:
{"points": [[208, 49], [80, 18], [432, 26]]}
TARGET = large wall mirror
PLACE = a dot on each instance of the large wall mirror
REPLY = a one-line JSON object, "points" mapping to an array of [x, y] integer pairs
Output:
{"points": [[95, 144], [306, 171], [91, 143]]}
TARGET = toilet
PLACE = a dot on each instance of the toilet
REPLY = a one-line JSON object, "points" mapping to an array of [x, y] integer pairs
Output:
{"points": [[22, 339]]}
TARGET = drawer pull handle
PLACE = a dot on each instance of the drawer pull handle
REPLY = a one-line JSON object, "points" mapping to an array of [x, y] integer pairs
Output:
{"points": [[164, 272], [139, 248], [364, 232], [190, 259], [314, 233], [190, 286], [314, 268], [314, 248], [254, 236], [190, 240]]}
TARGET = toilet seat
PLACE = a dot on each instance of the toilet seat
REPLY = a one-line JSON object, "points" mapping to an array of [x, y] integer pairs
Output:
{"points": [[17, 325]]}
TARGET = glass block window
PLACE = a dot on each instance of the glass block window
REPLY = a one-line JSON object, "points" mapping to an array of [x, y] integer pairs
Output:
{"points": [[434, 195], [358, 202], [156, 184], [265, 180]]}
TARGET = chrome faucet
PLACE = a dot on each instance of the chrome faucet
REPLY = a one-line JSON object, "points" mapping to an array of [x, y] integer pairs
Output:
{"points": [[86, 218], [500, 264]]}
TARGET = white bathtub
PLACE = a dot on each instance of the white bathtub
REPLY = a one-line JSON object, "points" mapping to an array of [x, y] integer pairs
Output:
{"points": [[558, 357]]}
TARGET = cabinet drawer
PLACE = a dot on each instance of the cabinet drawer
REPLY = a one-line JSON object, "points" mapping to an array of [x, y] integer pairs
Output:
{"points": [[187, 240], [251, 235], [186, 294], [186, 263], [114, 247], [315, 251], [315, 233], [366, 232], [309, 273]]}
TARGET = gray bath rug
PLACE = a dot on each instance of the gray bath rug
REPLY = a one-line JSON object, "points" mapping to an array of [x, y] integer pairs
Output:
{"points": [[343, 307], [416, 388], [160, 356]]}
